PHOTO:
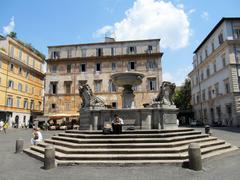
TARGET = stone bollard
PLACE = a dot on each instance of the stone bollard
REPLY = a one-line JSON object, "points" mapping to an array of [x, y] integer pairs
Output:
{"points": [[19, 145], [194, 155], [207, 129], [49, 157]]}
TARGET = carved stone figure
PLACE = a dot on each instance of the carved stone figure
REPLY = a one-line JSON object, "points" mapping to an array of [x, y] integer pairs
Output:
{"points": [[88, 99], [166, 93]]}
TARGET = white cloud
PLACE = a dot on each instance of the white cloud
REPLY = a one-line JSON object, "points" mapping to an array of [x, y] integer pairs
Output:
{"points": [[10, 27], [152, 19], [179, 76], [205, 15], [167, 77], [191, 11]]}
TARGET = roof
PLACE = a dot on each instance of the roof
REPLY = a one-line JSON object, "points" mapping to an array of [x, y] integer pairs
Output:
{"points": [[214, 29], [101, 43]]}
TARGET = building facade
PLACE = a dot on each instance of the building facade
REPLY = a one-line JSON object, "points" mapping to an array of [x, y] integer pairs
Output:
{"points": [[215, 77], [21, 82], [69, 66]]}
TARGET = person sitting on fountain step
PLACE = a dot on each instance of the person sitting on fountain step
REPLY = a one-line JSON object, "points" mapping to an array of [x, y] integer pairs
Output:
{"points": [[117, 124]]}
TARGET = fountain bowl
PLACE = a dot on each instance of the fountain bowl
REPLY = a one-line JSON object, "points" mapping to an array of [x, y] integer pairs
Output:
{"points": [[123, 79]]}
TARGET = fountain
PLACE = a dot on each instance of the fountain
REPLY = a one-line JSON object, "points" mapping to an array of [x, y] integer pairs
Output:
{"points": [[161, 114], [127, 80]]}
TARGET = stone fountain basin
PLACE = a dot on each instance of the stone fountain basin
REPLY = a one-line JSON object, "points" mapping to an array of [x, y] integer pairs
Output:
{"points": [[127, 79]]}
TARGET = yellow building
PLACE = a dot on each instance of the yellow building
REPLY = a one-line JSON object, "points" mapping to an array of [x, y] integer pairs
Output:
{"points": [[21, 82]]}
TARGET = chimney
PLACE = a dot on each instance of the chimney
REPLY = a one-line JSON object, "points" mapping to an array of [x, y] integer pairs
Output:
{"points": [[109, 39]]}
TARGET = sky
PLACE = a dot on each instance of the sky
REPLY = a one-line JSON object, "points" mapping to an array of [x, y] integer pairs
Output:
{"points": [[180, 24]]}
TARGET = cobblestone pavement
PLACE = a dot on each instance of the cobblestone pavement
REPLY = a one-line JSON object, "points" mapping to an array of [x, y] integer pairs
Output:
{"points": [[22, 167]]}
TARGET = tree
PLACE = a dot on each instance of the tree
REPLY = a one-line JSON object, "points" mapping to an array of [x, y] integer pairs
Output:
{"points": [[182, 96], [12, 34]]}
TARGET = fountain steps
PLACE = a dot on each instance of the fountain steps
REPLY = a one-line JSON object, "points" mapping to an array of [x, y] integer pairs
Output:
{"points": [[78, 148], [127, 145]]}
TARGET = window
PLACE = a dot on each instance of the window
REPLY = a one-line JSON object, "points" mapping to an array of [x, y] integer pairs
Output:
{"points": [[131, 65], [223, 60], [201, 59], [98, 66], [220, 38], [53, 87], [26, 88], [206, 53], [25, 104], [33, 90], [149, 48], [27, 59], [67, 106], [214, 67], [32, 105], [53, 106], [208, 71], [39, 105], [98, 85], [20, 87], [11, 66], [84, 52], [152, 84], [203, 95], [198, 97], [216, 86], [12, 51], [227, 86], [55, 54], [114, 105], [114, 66], [68, 86], [151, 64], [53, 69], [212, 45], [27, 74], [20, 55], [9, 101], [111, 86], [18, 102], [236, 33], [20, 70], [69, 53], [33, 61], [112, 51], [10, 84], [69, 68], [131, 50], [99, 52], [82, 67], [202, 76], [209, 92]]}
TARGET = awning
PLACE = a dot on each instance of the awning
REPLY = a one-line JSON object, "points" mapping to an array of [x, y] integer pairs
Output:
{"points": [[58, 116]]}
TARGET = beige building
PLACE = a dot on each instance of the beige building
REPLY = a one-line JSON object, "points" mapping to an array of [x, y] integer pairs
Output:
{"points": [[21, 82], [68, 66], [215, 77]]}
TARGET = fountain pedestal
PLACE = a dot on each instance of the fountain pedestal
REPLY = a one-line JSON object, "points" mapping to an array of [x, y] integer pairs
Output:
{"points": [[128, 97]]}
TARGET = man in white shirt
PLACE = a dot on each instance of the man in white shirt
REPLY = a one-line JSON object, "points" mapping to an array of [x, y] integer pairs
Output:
{"points": [[117, 124], [37, 136]]}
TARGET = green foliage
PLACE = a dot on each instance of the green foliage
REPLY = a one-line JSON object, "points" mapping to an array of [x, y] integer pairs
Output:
{"points": [[12, 34], [182, 97]]}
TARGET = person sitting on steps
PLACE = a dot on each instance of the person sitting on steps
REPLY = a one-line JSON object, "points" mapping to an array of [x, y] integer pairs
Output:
{"points": [[117, 124]]}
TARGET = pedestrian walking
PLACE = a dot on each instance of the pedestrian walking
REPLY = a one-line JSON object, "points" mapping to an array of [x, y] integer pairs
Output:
{"points": [[5, 126]]}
